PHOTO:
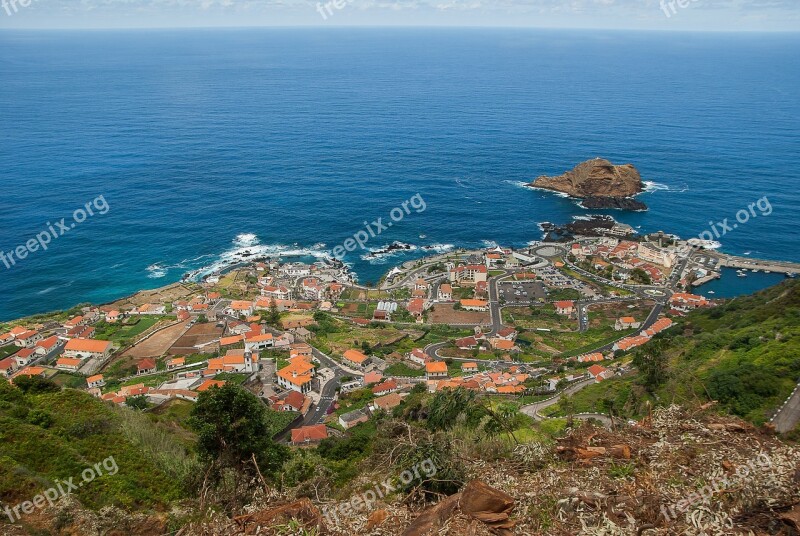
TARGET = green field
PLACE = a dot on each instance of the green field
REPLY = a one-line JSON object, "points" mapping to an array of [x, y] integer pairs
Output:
{"points": [[119, 332], [401, 369]]}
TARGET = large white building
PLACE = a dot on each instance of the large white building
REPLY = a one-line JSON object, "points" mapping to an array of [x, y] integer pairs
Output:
{"points": [[655, 255]]}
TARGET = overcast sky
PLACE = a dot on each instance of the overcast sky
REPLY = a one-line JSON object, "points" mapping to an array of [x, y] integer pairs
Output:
{"points": [[712, 15]]}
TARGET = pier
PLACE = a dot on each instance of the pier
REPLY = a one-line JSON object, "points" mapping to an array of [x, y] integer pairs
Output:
{"points": [[731, 261]]}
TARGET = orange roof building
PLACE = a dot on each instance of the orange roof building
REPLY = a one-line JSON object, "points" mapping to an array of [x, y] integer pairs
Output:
{"points": [[68, 363], [297, 375], [355, 358], [87, 348], [309, 434], [208, 384]]}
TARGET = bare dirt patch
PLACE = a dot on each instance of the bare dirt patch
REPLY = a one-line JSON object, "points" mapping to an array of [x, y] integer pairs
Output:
{"points": [[445, 314], [168, 294], [197, 335], [610, 312], [156, 345]]}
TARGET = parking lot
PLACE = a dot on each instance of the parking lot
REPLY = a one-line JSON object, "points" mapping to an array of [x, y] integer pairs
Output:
{"points": [[708, 262], [521, 291]]}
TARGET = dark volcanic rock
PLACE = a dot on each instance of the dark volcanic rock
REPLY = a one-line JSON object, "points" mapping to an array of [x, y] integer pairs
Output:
{"points": [[622, 203]]}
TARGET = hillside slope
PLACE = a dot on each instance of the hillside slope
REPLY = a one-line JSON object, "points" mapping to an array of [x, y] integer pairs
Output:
{"points": [[744, 354], [51, 437]]}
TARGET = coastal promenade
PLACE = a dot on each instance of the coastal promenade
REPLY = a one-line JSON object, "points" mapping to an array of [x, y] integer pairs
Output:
{"points": [[732, 261]]}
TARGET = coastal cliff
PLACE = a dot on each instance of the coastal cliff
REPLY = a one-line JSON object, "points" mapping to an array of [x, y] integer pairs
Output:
{"points": [[600, 183]]}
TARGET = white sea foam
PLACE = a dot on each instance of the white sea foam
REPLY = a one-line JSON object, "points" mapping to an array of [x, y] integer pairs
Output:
{"points": [[245, 240], [553, 192], [707, 244], [48, 290], [652, 186], [156, 271], [247, 247], [521, 184], [439, 248], [381, 254]]}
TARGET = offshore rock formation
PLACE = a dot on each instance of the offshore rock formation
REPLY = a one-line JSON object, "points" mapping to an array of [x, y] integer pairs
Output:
{"points": [[599, 183]]}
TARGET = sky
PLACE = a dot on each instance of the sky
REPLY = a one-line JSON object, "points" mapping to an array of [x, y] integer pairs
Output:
{"points": [[675, 15]]}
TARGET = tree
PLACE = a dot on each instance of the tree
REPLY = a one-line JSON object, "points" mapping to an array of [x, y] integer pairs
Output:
{"points": [[232, 427], [640, 276], [652, 365], [34, 385], [137, 402], [274, 316]]}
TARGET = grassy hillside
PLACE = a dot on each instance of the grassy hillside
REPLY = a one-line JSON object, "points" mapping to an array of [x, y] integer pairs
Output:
{"points": [[52, 436], [744, 354]]}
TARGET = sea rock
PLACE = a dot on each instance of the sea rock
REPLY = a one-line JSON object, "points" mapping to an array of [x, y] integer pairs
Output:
{"points": [[599, 182], [621, 203]]}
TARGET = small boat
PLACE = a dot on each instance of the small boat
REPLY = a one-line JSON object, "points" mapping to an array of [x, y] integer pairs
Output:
{"points": [[767, 272], [423, 236], [741, 274], [711, 292], [754, 271], [791, 274]]}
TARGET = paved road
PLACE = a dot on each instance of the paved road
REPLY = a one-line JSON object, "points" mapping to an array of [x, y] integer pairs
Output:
{"points": [[495, 309], [534, 409], [789, 415], [328, 395]]}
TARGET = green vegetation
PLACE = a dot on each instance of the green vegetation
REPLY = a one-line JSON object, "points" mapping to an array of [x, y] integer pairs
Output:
{"points": [[124, 332], [6, 351], [562, 294], [48, 434], [568, 344], [402, 369], [233, 429], [232, 377], [624, 397], [744, 354]]}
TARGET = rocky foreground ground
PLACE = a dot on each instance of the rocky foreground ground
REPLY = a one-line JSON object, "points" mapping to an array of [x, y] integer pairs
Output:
{"points": [[674, 473]]}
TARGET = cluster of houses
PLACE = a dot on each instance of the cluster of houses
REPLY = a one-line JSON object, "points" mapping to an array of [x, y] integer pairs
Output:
{"points": [[71, 340], [510, 382], [629, 343], [291, 282], [682, 302], [183, 388], [625, 256], [504, 340]]}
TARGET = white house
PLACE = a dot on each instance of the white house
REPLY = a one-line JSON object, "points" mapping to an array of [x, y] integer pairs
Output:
{"points": [[418, 356]]}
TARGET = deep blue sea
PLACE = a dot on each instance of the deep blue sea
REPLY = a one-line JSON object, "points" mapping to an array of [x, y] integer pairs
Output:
{"points": [[205, 143]]}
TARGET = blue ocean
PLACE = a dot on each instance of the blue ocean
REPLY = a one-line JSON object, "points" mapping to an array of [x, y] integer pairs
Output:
{"points": [[208, 144]]}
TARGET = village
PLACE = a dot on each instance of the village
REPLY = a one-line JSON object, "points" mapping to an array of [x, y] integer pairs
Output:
{"points": [[527, 324]]}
